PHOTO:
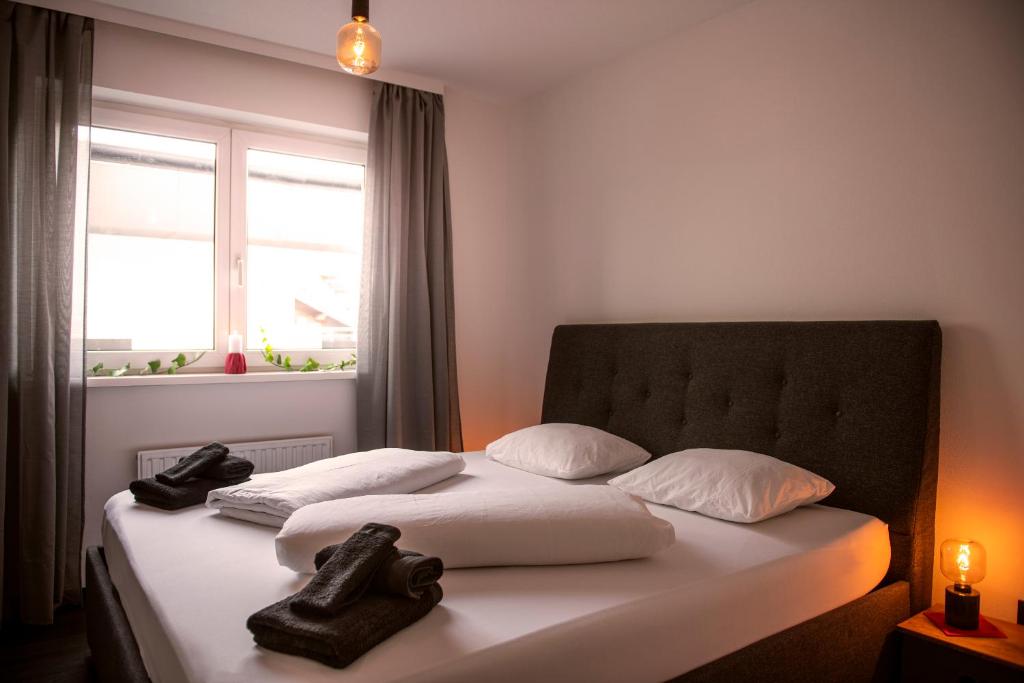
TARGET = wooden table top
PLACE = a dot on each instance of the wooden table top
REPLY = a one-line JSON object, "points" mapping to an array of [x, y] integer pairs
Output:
{"points": [[1009, 650]]}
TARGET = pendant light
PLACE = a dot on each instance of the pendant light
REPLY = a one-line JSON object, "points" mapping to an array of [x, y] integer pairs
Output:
{"points": [[358, 42]]}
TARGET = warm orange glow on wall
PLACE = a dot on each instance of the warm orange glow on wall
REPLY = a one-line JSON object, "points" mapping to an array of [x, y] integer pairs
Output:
{"points": [[998, 527]]}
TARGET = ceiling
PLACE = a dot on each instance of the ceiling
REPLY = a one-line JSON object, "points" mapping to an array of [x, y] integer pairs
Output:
{"points": [[503, 49]]}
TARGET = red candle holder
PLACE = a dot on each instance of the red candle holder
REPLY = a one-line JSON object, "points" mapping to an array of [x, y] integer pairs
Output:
{"points": [[234, 364]]}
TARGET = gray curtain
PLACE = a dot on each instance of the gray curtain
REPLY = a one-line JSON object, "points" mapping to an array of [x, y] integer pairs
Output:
{"points": [[45, 95], [407, 386]]}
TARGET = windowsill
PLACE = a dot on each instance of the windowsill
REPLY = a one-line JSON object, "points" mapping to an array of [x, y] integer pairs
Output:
{"points": [[217, 378]]}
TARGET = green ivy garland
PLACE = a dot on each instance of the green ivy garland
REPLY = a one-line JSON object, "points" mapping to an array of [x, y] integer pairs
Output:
{"points": [[311, 364], [153, 367]]}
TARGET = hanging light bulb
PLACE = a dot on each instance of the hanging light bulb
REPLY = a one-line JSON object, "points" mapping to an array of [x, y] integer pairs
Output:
{"points": [[358, 42]]}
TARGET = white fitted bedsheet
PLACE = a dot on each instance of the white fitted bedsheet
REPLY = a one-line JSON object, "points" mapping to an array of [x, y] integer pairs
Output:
{"points": [[189, 579]]}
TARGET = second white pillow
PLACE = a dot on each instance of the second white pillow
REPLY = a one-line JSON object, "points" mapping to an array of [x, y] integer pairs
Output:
{"points": [[737, 486], [566, 451]]}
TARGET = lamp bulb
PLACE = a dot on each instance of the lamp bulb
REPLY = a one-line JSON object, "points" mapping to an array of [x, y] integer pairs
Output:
{"points": [[359, 47], [962, 562]]}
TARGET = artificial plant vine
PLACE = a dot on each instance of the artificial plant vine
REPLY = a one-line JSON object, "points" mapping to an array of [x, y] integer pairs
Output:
{"points": [[152, 367], [311, 364], [155, 366]]}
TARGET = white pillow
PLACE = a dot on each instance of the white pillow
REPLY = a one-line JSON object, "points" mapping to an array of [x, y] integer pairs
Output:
{"points": [[737, 486], [566, 451], [540, 525]]}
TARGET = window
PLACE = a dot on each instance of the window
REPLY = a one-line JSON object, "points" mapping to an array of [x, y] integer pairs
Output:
{"points": [[196, 231], [152, 201], [304, 228]]}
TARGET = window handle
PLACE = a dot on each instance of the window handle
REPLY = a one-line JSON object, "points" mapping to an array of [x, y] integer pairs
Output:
{"points": [[239, 263]]}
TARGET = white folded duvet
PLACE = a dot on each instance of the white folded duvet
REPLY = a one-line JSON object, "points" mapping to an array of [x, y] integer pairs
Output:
{"points": [[272, 497], [546, 525]]}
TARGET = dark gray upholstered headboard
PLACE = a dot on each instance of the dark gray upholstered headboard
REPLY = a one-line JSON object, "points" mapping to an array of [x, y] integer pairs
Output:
{"points": [[857, 402]]}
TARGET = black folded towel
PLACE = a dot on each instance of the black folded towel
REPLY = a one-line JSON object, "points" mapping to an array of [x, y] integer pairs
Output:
{"points": [[339, 640], [192, 492], [346, 574], [230, 468], [404, 572], [194, 465]]}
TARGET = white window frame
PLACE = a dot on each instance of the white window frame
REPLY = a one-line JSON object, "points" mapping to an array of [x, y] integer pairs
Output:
{"points": [[230, 239]]}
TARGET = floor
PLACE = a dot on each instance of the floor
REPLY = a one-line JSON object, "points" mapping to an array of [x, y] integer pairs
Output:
{"points": [[54, 654]]}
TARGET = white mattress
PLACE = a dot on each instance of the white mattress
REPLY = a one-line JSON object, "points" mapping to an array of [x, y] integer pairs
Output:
{"points": [[189, 579]]}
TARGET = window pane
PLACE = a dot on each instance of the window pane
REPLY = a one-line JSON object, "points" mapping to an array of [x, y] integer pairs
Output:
{"points": [[304, 219], [150, 252]]}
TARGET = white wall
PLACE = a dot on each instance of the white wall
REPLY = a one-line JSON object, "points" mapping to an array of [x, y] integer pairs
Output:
{"points": [[835, 159], [165, 66], [495, 312]]}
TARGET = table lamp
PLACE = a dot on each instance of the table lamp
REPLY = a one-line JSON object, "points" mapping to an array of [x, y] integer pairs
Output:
{"points": [[963, 563]]}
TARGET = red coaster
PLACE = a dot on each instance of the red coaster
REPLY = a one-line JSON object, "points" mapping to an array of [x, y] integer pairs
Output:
{"points": [[986, 629]]}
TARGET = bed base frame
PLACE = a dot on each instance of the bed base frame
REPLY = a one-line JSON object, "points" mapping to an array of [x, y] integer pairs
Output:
{"points": [[855, 643], [115, 655]]}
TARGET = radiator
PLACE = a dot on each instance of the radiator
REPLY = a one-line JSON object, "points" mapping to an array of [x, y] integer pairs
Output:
{"points": [[269, 456]]}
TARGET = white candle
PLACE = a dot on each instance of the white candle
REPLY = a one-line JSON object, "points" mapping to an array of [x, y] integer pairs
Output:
{"points": [[234, 343]]}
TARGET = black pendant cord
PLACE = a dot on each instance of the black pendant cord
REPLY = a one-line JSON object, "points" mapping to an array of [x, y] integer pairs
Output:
{"points": [[361, 9]]}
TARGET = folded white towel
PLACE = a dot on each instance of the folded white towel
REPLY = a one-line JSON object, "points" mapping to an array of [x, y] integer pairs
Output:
{"points": [[270, 498], [544, 525]]}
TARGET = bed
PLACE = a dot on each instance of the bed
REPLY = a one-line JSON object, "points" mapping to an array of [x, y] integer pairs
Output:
{"points": [[811, 595]]}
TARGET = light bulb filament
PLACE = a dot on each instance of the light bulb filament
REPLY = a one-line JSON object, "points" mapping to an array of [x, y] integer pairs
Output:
{"points": [[963, 559]]}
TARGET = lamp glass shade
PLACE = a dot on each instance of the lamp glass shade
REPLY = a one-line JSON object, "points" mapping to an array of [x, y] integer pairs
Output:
{"points": [[359, 47], [962, 561]]}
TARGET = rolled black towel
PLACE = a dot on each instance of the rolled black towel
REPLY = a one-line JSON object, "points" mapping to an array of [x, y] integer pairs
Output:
{"points": [[407, 573], [404, 572], [194, 465], [192, 492], [347, 573], [230, 468], [339, 640]]}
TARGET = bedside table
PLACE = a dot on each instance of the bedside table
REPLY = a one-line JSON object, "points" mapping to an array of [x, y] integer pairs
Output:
{"points": [[930, 655]]}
